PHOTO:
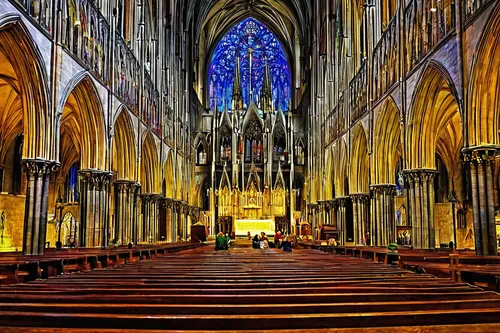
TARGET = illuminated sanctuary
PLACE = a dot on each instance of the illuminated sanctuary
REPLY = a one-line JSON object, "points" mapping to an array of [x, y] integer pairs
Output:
{"points": [[252, 144]]}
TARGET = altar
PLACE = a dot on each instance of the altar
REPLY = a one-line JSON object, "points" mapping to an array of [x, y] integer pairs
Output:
{"points": [[242, 227]]}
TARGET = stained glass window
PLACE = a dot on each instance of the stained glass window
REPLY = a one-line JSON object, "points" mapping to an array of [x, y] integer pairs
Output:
{"points": [[254, 43]]}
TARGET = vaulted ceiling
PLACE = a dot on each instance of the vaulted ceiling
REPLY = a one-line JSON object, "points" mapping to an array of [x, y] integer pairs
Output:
{"points": [[212, 19]]}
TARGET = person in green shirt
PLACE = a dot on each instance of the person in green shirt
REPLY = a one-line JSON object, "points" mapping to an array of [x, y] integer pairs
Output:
{"points": [[220, 242]]}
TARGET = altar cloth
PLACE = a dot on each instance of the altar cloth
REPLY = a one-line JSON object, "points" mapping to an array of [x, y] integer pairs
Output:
{"points": [[242, 227]]}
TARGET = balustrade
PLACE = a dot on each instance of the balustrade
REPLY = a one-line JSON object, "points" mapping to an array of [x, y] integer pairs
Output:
{"points": [[358, 89], [426, 24], [40, 11], [471, 7], [85, 33], [150, 112], [386, 60], [126, 75], [342, 116]]}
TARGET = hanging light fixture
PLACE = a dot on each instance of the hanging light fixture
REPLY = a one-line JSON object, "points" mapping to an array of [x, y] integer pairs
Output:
{"points": [[433, 6]]}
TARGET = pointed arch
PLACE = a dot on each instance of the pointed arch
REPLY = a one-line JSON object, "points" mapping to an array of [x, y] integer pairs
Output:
{"points": [[434, 116], [484, 94], [328, 185], [252, 122], [124, 149], [359, 166], [168, 172], [179, 177], [387, 147], [24, 70], [340, 169], [149, 166], [82, 124]]}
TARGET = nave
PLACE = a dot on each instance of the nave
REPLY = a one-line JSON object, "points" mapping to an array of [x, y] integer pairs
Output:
{"points": [[246, 289]]}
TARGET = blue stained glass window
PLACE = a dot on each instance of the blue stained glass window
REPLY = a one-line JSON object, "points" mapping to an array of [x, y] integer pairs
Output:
{"points": [[248, 36]]}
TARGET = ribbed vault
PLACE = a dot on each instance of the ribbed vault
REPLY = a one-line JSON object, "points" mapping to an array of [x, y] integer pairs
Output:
{"points": [[435, 124], [386, 143]]}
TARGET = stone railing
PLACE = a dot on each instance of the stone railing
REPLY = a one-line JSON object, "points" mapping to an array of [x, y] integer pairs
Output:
{"points": [[427, 23], [471, 7], [342, 116], [150, 112], [358, 90], [40, 11], [385, 64], [331, 126], [85, 34], [126, 80]]}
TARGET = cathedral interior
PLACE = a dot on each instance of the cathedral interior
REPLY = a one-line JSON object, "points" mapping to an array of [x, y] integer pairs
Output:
{"points": [[160, 123]]}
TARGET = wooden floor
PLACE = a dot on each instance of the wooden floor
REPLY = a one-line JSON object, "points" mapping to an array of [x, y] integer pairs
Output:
{"points": [[246, 289]]}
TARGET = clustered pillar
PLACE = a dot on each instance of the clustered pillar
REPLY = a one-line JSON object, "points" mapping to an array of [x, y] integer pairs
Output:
{"points": [[38, 173], [383, 229], [94, 207], [421, 202], [125, 211], [361, 215], [342, 203], [148, 229], [480, 161]]}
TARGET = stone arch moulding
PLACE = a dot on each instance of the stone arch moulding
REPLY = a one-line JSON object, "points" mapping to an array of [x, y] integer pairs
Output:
{"points": [[434, 105], [483, 101], [92, 118], [31, 73]]}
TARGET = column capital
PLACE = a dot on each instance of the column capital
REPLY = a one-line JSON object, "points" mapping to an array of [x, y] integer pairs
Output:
{"points": [[146, 197], [418, 175], [97, 179], [312, 206], [341, 201], [40, 166], [194, 213], [360, 197], [480, 154], [387, 189], [125, 184]]}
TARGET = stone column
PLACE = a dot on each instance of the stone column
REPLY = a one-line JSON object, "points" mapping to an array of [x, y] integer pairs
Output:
{"points": [[361, 206], [421, 183], [148, 231], [355, 218], [177, 220], [94, 204], [383, 218], [125, 211], [38, 173], [184, 222], [480, 160], [162, 219], [342, 218], [170, 221]]}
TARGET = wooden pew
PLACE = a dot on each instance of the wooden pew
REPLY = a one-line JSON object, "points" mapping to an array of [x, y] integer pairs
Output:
{"points": [[254, 289]]}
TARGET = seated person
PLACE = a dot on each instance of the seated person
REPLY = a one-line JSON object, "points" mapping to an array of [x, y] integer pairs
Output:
{"points": [[220, 242], [263, 240], [288, 243], [256, 242], [278, 239], [332, 242]]}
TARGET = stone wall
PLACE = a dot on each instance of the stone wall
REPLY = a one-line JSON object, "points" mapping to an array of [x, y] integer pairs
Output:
{"points": [[13, 205], [443, 220]]}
